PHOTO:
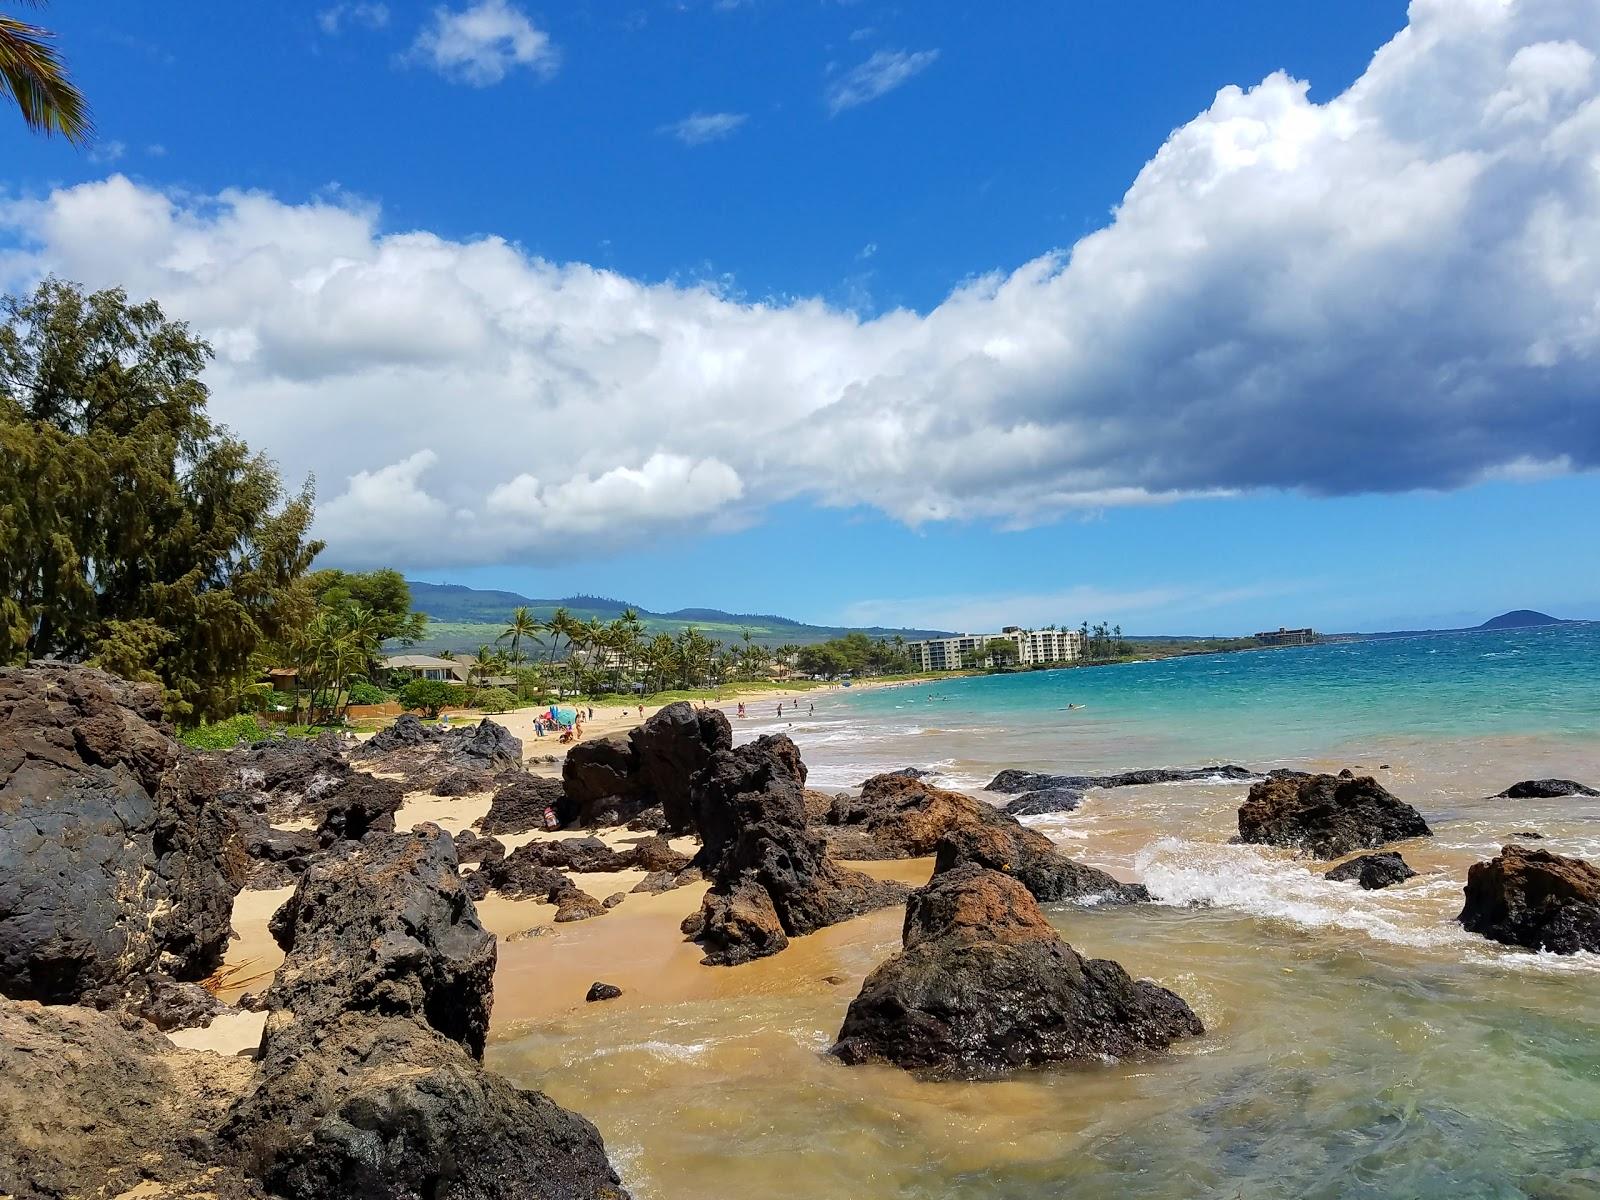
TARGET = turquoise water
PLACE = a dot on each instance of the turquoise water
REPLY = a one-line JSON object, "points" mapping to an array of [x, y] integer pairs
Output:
{"points": [[1271, 706], [1358, 1044]]}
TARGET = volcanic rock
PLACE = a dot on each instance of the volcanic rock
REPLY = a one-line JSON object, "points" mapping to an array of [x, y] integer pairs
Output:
{"points": [[101, 1104], [655, 854], [1533, 898], [1373, 871], [749, 810], [110, 865], [574, 904], [601, 779], [672, 747], [1546, 789], [159, 999], [1033, 860], [368, 1082], [488, 746], [361, 804], [985, 985], [602, 991], [518, 805], [904, 817], [462, 783], [1043, 800], [1012, 781], [1327, 816], [478, 848]]}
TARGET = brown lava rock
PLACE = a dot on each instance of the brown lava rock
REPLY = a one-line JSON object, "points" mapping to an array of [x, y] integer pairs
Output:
{"points": [[1327, 816], [985, 985], [1533, 898]]}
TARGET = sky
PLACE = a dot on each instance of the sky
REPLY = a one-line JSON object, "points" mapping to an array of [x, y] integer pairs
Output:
{"points": [[1197, 317]]}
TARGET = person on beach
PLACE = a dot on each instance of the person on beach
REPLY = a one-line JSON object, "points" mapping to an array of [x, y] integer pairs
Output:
{"points": [[741, 710], [811, 709], [780, 709]]}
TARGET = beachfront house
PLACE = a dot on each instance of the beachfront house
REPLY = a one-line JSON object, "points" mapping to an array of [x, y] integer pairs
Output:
{"points": [[424, 666], [1034, 647]]}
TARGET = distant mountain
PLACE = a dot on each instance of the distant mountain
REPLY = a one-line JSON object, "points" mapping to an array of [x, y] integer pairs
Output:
{"points": [[463, 618], [1521, 618]]}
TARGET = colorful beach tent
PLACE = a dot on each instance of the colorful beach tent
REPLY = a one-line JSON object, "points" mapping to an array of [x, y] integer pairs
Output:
{"points": [[563, 716]]}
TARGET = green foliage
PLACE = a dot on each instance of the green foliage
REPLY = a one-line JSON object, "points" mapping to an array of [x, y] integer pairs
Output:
{"points": [[385, 594], [430, 695], [854, 654], [495, 700], [223, 734], [134, 533], [362, 692]]}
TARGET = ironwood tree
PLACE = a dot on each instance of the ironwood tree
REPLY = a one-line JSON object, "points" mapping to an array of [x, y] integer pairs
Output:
{"points": [[135, 533]]}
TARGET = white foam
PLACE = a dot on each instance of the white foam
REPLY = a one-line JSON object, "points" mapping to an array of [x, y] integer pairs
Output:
{"points": [[1251, 880]]}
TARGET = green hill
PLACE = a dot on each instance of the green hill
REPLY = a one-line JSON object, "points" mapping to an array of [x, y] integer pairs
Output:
{"points": [[463, 618]]}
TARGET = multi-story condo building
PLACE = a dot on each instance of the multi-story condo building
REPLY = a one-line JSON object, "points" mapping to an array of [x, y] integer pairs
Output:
{"points": [[1033, 646], [1288, 637]]}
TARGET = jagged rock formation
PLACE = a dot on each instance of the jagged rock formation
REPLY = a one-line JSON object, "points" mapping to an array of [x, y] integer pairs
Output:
{"points": [[611, 780], [984, 984], [1534, 898], [1012, 781], [519, 805], [1373, 871], [1032, 859], [1327, 816], [429, 754], [369, 1082], [110, 866], [1546, 789], [749, 810], [899, 817], [101, 1104]]}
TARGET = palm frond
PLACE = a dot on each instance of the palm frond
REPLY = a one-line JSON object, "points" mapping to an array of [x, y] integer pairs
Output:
{"points": [[33, 74]]}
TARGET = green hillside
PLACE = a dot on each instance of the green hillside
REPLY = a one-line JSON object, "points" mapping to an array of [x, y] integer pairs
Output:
{"points": [[464, 618]]}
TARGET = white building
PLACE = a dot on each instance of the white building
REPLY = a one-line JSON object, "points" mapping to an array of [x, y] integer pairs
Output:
{"points": [[426, 666], [1034, 647]]}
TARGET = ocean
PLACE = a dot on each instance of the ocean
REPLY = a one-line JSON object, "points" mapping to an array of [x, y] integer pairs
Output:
{"points": [[1359, 1044]]}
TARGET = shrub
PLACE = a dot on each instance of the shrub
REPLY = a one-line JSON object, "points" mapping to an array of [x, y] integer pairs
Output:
{"points": [[430, 695], [496, 700], [223, 734], [362, 692]]}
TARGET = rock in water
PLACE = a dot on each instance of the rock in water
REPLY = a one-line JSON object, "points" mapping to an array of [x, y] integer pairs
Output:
{"points": [[1534, 898], [369, 1083], [749, 808], [1044, 800], [1327, 816], [1012, 781], [1033, 861], [110, 863], [1546, 789], [1373, 871], [602, 991], [903, 817], [985, 985]]}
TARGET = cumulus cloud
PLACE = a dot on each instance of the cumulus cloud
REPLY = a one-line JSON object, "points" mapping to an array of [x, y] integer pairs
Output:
{"points": [[482, 44], [1392, 290], [879, 75], [700, 128]]}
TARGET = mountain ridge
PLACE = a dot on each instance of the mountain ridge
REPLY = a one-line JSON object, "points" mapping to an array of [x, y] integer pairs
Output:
{"points": [[463, 617]]}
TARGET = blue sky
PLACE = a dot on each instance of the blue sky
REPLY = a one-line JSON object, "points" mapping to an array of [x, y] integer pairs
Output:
{"points": [[782, 306]]}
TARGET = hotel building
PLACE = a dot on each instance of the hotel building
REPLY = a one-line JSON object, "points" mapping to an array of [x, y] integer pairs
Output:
{"points": [[1033, 646]]}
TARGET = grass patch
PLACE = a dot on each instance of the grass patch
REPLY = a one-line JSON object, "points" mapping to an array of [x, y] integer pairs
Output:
{"points": [[224, 735]]}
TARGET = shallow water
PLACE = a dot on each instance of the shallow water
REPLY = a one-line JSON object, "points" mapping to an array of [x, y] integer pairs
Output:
{"points": [[1358, 1044]]}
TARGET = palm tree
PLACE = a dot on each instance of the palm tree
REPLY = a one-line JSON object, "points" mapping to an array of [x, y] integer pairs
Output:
{"points": [[35, 77], [486, 663], [524, 627], [559, 624]]}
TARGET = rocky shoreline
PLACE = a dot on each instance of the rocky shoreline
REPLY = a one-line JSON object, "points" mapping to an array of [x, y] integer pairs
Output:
{"points": [[121, 855]]}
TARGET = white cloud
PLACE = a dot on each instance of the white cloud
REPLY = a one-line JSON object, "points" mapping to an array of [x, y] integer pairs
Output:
{"points": [[879, 75], [482, 44], [699, 128], [107, 152], [1395, 289], [335, 19]]}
